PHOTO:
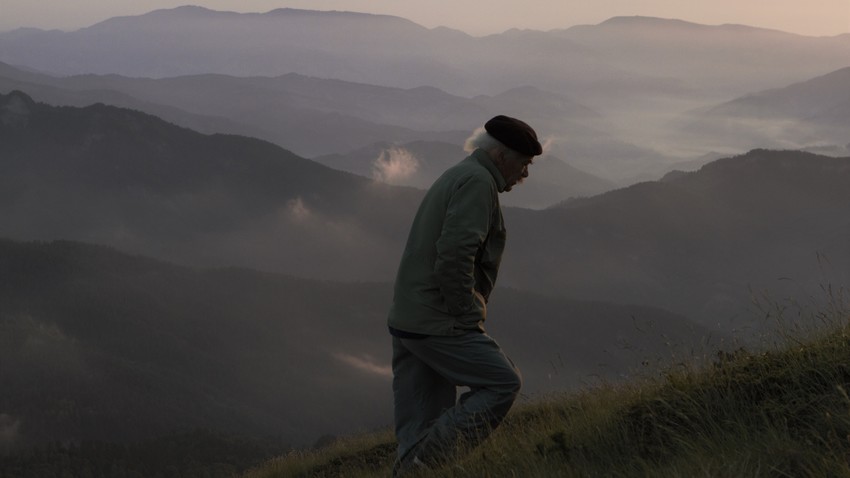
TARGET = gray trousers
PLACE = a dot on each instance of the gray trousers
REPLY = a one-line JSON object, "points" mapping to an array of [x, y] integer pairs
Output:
{"points": [[429, 420]]}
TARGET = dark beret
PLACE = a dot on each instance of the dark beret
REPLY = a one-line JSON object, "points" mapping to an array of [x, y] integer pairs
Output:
{"points": [[514, 134]]}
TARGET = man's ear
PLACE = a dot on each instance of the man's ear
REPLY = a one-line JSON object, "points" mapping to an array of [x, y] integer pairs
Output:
{"points": [[498, 157]]}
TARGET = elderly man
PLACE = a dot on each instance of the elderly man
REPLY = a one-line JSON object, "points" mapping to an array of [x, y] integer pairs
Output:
{"points": [[446, 274]]}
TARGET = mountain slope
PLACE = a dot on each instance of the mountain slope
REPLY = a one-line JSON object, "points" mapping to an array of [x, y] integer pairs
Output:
{"points": [[101, 345], [799, 101], [710, 56], [811, 113], [275, 109], [314, 116], [697, 241], [130, 180], [138, 348]]}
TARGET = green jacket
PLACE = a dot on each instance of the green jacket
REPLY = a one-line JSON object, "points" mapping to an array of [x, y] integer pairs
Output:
{"points": [[453, 252]]}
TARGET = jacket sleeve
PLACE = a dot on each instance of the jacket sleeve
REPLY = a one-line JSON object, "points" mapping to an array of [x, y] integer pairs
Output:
{"points": [[464, 231]]}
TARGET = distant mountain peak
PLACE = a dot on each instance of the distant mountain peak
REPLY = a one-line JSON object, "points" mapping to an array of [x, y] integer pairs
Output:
{"points": [[638, 20], [200, 14], [191, 8], [286, 11], [301, 11], [784, 163], [294, 12], [184, 10]]}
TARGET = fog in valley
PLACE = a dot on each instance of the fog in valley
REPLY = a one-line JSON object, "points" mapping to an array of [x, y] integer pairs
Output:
{"points": [[202, 211]]}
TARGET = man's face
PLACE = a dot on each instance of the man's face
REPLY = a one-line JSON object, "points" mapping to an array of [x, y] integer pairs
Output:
{"points": [[514, 168]]}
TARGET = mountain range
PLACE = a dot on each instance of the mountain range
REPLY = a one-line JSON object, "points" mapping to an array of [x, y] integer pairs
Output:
{"points": [[692, 243], [313, 116], [812, 113], [353, 47], [713, 239], [124, 178], [637, 73], [360, 123]]}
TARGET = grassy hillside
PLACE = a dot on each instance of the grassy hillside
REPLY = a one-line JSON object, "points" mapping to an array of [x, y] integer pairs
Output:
{"points": [[781, 411]]}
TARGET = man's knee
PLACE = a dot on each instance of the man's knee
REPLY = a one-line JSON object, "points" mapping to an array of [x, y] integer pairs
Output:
{"points": [[509, 389], [515, 383]]}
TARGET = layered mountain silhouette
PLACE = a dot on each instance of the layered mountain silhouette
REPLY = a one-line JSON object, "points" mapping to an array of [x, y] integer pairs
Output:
{"points": [[341, 45], [637, 72], [313, 116], [101, 345], [694, 243], [306, 115], [704, 241], [810, 114], [353, 46], [127, 179]]}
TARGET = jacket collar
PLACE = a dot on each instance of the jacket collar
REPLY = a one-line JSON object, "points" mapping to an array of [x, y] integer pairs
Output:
{"points": [[484, 159]]}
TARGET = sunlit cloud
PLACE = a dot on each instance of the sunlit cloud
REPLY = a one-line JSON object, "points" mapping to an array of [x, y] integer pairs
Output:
{"points": [[366, 364], [394, 166]]}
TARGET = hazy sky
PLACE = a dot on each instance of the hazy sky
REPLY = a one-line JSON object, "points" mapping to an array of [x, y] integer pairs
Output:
{"points": [[477, 17]]}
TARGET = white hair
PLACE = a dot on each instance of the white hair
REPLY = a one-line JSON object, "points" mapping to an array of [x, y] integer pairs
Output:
{"points": [[480, 138]]}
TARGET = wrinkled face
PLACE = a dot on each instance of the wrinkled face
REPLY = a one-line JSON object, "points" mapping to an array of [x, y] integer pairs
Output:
{"points": [[514, 168]]}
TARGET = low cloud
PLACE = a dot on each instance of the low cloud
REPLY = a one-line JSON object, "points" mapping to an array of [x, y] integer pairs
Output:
{"points": [[366, 364], [394, 166], [297, 209]]}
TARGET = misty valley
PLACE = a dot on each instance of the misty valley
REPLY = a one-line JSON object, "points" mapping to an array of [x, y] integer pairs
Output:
{"points": [[198, 239]]}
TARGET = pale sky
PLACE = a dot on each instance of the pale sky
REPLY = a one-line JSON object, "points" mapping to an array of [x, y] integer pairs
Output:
{"points": [[476, 17]]}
